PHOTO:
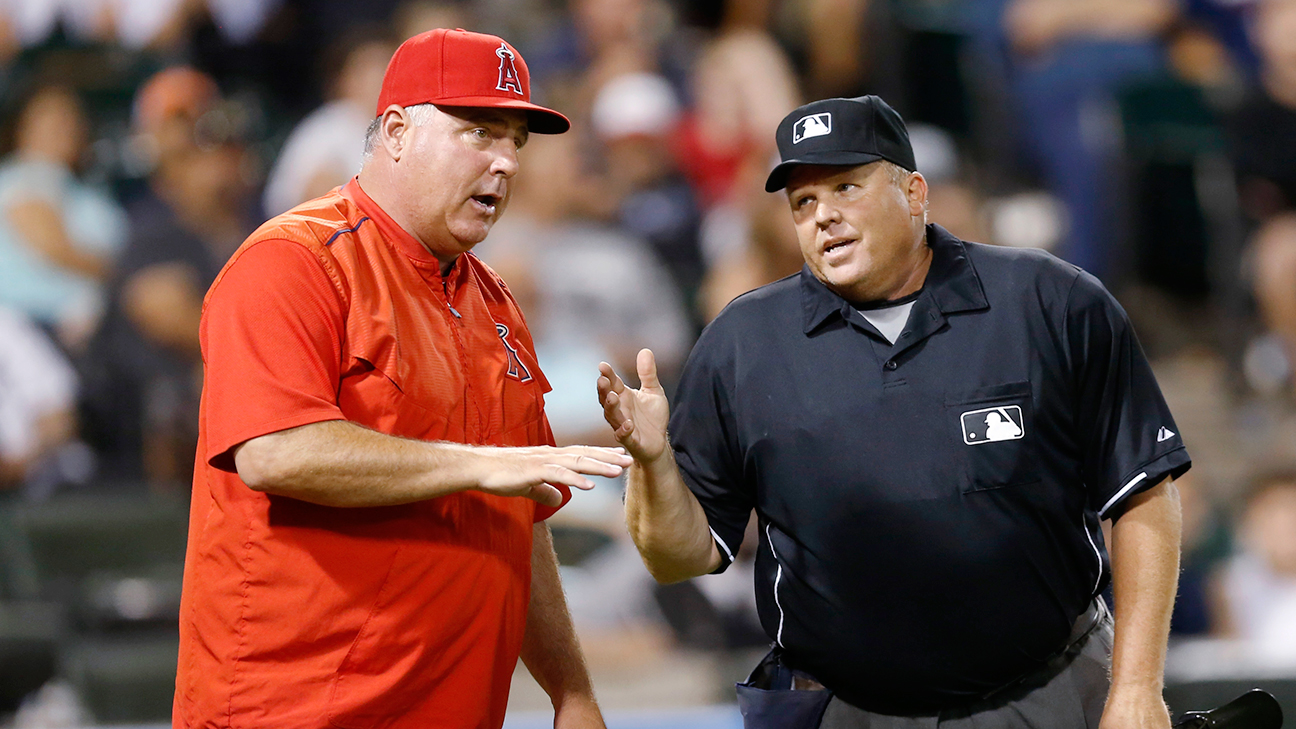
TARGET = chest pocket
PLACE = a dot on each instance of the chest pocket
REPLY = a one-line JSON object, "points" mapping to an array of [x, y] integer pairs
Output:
{"points": [[410, 394], [993, 430]]}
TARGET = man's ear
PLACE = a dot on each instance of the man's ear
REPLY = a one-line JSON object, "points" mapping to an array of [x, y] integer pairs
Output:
{"points": [[392, 130], [917, 194]]}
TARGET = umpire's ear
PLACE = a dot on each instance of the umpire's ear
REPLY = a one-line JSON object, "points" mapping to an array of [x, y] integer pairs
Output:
{"points": [[916, 191]]}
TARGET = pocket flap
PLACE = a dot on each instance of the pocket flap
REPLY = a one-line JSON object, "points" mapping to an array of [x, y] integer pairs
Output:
{"points": [[989, 393]]}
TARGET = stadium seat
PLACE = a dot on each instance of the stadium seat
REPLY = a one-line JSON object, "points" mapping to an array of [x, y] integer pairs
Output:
{"points": [[114, 562], [30, 633]]}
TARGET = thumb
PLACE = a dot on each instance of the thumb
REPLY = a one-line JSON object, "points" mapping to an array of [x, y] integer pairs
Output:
{"points": [[646, 363], [546, 495]]}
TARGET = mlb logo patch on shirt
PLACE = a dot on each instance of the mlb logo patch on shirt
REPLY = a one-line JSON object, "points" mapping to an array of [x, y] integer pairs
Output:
{"points": [[815, 125], [991, 425]]}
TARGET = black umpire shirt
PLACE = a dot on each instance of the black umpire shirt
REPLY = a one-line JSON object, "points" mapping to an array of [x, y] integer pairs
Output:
{"points": [[928, 510]]}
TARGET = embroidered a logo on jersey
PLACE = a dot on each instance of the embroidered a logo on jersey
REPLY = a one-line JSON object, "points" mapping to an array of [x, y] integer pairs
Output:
{"points": [[991, 425], [508, 75], [815, 125], [516, 369], [1164, 434]]}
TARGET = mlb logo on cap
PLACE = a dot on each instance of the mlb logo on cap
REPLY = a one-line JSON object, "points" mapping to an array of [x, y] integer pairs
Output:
{"points": [[815, 125], [845, 132]]}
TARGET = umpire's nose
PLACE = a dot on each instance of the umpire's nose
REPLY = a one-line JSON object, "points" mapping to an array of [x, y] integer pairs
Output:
{"points": [[826, 214]]}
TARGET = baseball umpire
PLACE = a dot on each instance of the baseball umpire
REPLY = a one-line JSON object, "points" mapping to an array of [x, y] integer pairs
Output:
{"points": [[929, 431], [366, 544]]}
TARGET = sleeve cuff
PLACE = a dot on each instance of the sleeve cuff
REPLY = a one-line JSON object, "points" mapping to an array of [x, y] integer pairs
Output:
{"points": [[726, 545], [221, 455], [1173, 464], [726, 553]]}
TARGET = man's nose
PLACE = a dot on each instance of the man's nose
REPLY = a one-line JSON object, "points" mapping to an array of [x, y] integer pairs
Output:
{"points": [[826, 215], [506, 160]]}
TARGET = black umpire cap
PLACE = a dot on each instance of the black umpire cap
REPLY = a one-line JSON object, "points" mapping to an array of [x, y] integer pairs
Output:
{"points": [[840, 132]]}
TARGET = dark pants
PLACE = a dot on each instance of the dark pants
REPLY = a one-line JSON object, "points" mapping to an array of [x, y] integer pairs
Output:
{"points": [[1068, 693]]}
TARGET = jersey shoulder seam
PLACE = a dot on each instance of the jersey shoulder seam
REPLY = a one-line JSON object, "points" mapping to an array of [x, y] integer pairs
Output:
{"points": [[331, 270]]}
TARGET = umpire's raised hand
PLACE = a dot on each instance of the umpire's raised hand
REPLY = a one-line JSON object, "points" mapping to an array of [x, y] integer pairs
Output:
{"points": [[638, 417], [665, 520]]}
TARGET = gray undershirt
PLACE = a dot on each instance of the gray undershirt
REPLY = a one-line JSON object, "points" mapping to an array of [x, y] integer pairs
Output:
{"points": [[890, 320]]}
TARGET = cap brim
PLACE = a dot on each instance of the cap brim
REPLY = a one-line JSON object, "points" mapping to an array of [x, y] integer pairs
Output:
{"points": [[777, 179], [539, 119]]}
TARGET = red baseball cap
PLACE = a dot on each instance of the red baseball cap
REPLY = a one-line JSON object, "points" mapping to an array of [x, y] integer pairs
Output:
{"points": [[462, 68]]}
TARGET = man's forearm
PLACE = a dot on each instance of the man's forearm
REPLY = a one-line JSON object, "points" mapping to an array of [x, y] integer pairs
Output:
{"points": [[550, 650], [667, 523], [1145, 573], [339, 463]]}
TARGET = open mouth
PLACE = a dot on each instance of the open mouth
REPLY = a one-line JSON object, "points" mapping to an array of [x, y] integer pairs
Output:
{"points": [[486, 202], [836, 245]]}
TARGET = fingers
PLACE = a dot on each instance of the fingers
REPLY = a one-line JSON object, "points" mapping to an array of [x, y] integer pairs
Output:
{"points": [[545, 494], [646, 363], [609, 381], [554, 473], [570, 465], [615, 415], [577, 457], [538, 472], [598, 457]]}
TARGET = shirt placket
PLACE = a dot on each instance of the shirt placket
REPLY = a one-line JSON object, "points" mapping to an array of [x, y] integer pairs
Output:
{"points": [[455, 322]]}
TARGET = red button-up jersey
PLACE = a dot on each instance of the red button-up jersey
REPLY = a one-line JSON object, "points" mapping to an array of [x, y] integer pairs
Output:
{"points": [[300, 615]]}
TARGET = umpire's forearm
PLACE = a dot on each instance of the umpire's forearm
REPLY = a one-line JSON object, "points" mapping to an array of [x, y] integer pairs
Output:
{"points": [[1145, 573], [667, 523]]}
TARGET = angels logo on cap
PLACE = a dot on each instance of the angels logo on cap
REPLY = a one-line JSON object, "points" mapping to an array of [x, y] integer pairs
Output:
{"points": [[508, 75], [453, 68], [815, 125]]}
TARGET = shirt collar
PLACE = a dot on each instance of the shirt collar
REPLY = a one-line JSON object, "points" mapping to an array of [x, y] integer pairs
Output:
{"points": [[391, 231], [952, 283]]}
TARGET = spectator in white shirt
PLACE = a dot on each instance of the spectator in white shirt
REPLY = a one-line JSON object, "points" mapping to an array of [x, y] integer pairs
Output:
{"points": [[323, 151], [37, 398]]}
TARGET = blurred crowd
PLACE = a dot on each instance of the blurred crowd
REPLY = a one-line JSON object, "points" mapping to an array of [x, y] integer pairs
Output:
{"points": [[1152, 142]]}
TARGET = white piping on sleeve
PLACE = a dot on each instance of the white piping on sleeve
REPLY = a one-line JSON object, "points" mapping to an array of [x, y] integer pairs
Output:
{"points": [[1102, 513], [778, 635], [1084, 525], [728, 552]]}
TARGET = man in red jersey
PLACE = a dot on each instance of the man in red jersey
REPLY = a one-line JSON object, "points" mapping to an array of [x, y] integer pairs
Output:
{"points": [[372, 411]]}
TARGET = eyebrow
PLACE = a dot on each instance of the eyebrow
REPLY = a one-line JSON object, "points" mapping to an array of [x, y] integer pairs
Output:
{"points": [[477, 115]]}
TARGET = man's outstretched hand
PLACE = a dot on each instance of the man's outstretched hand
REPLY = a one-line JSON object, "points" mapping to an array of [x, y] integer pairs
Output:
{"points": [[638, 417], [531, 472]]}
